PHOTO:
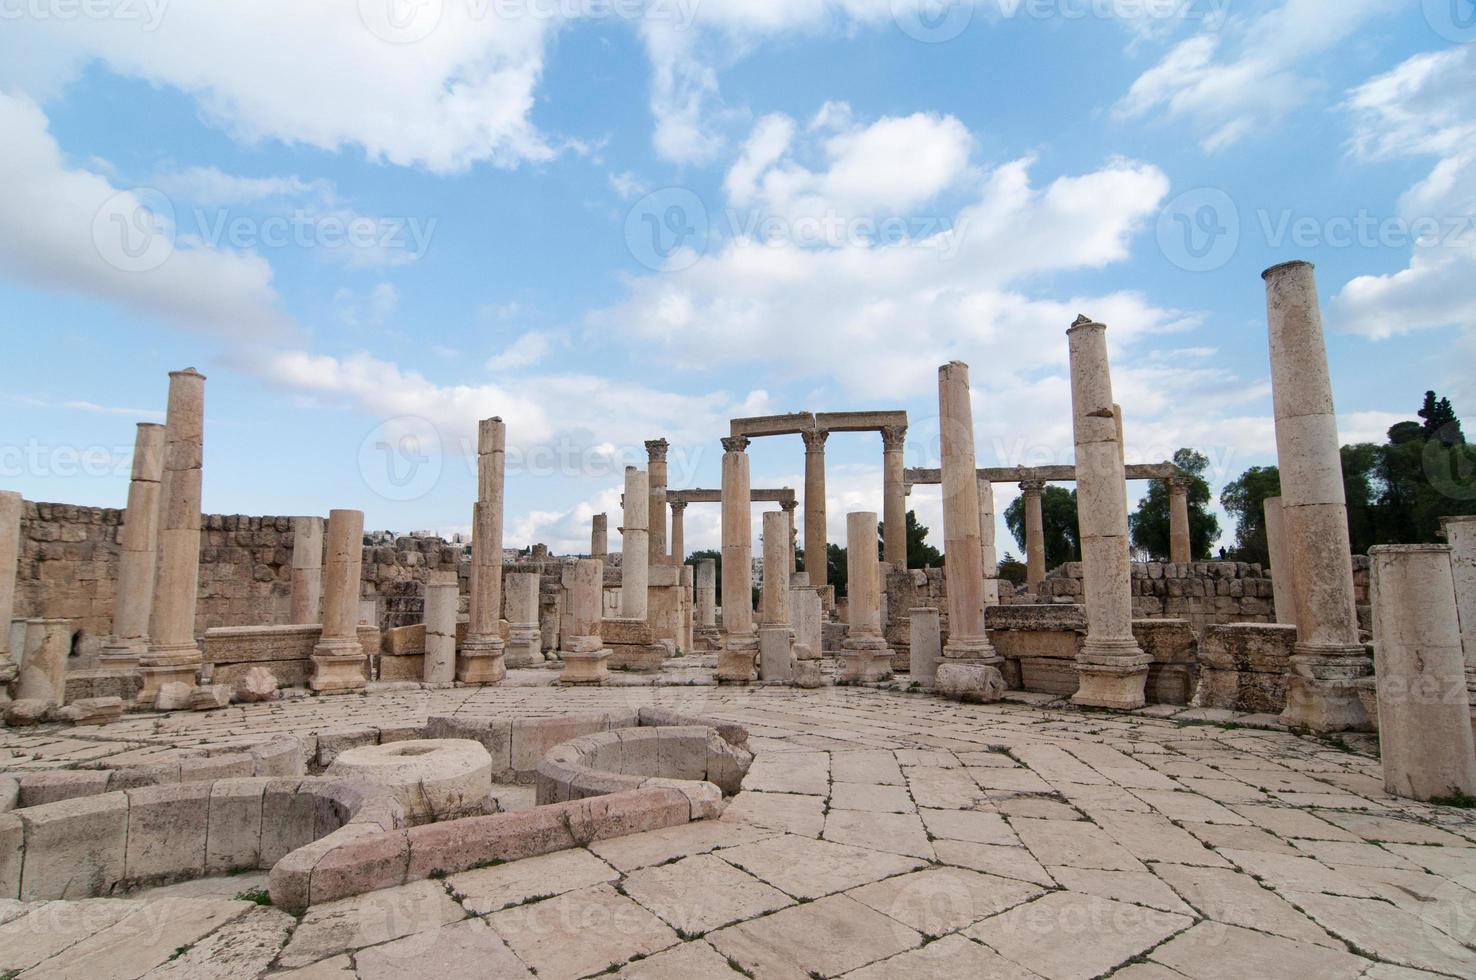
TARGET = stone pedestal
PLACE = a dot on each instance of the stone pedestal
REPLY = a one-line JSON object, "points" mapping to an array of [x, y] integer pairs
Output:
{"points": [[816, 548], [1425, 738], [583, 653], [173, 655], [1035, 564], [480, 660], [634, 545], [1321, 692], [776, 653], [1283, 576], [806, 611], [926, 643], [599, 537], [442, 599], [339, 662], [138, 542], [1111, 667], [307, 570], [524, 637], [894, 496], [1460, 534], [11, 506], [43, 666], [1180, 546], [656, 509], [865, 656], [737, 659]]}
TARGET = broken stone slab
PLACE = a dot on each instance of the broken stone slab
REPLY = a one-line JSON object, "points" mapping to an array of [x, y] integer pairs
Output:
{"points": [[209, 697], [256, 684], [91, 711], [974, 682], [174, 696], [26, 711]]}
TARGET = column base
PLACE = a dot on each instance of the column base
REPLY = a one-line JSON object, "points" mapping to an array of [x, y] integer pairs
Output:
{"points": [[587, 664], [972, 648], [1112, 674], [969, 680], [168, 665], [1322, 688], [339, 667], [524, 647], [865, 659], [122, 655], [480, 661], [709, 636], [737, 660], [776, 653]]}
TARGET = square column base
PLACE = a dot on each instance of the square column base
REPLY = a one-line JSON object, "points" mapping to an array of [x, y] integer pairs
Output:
{"points": [[175, 665], [481, 661], [737, 660], [1112, 674], [587, 667], [339, 667], [776, 653], [524, 647], [1322, 689], [865, 660]]}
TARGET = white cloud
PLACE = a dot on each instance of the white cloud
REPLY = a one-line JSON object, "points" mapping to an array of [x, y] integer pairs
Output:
{"points": [[374, 309], [527, 350], [212, 186]]}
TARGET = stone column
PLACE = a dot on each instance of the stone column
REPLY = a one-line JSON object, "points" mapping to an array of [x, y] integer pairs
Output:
{"points": [[1425, 738], [815, 544], [1111, 668], [635, 553], [1283, 577], [43, 666], [707, 592], [599, 537], [524, 636], [789, 509], [1460, 534], [894, 497], [864, 652], [138, 542], [927, 645], [307, 570], [11, 507], [805, 610], [736, 661], [970, 667], [774, 599], [678, 531], [582, 651], [481, 659], [442, 600], [656, 512], [1321, 691], [338, 659], [687, 579], [1035, 564], [173, 655], [1180, 548], [988, 554]]}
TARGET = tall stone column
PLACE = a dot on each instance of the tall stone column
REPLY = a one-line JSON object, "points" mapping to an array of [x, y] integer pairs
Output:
{"points": [[173, 655], [582, 650], [599, 537], [481, 656], [1425, 738], [705, 599], [1111, 668], [678, 531], [864, 652], [1180, 549], [740, 641], [1321, 694], [1035, 564], [138, 542], [774, 599], [656, 512], [789, 508], [894, 497], [524, 636], [11, 507], [988, 554], [338, 658], [1460, 533], [816, 551], [307, 570], [635, 553], [442, 599], [1283, 577], [970, 667]]}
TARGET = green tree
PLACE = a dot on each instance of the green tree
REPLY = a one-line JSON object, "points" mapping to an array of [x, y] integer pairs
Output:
{"points": [[1149, 525], [1012, 569], [1058, 524], [717, 559], [1244, 499], [1440, 421], [920, 554]]}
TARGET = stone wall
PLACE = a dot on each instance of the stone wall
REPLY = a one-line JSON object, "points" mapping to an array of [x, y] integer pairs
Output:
{"points": [[1204, 593]]}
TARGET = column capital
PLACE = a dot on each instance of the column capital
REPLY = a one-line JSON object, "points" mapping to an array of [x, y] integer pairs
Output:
{"points": [[656, 449], [677, 506], [788, 506], [1032, 488], [1178, 484], [815, 440], [735, 444], [893, 438]]}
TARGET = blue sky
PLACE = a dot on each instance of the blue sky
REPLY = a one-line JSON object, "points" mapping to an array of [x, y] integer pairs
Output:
{"points": [[373, 221]]}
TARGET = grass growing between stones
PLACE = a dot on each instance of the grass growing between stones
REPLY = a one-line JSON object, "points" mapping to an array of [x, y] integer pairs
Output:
{"points": [[257, 896]]}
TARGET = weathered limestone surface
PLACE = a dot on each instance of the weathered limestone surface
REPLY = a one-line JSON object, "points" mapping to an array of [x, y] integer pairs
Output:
{"points": [[524, 637], [774, 598], [583, 652], [634, 548], [1321, 694], [1283, 576], [480, 659], [894, 496], [339, 663], [706, 601], [286, 651], [988, 553], [927, 645], [11, 506], [138, 543], [43, 665], [865, 656], [599, 536], [1424, 711], [1180, 546], [816, 546], [656, 450], [1035, 565], [1244, 667], [807, 612], [307, 570], [737, 661], [678, 510], [1460, 534], [442, 599]]}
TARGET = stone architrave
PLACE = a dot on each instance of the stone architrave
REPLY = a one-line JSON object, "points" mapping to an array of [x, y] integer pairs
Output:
{"points": [[656, 450], [442, 600], [635, 578], [1283, 577], [816, 549], [1425, 739], [339, 661], [737, 659], [1035, 563], [524, 636], [599, 537], [894, 496], [1321, 692], [174, 655], [583, 651], [1180, 548], [480, 660], [1460, 534], [43, 667], [11, 506], [138, 544], [1111, 668], [865, 656], [307, 570], [970, 666], [988, 553]]}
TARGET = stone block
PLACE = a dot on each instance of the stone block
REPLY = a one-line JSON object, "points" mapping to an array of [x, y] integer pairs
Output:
{"points": [[972, 682], [288, 819], [255, 684], [167, 826], [12, 855], [208, 768], [75, 848], [495, 736], [40, 788], [233, 840], [331, 743], [174, 696]]}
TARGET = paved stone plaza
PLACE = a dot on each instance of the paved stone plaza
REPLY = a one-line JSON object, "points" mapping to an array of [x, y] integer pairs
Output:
{"points": [[878, 834]]}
